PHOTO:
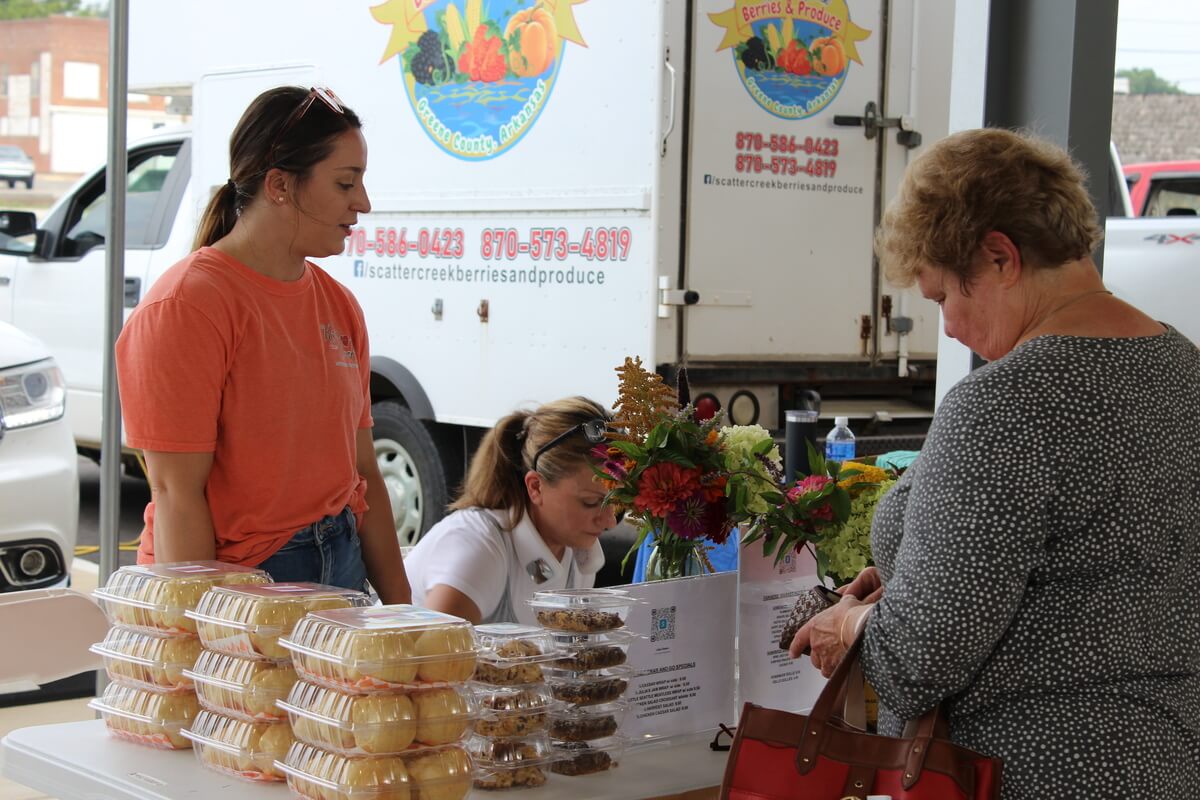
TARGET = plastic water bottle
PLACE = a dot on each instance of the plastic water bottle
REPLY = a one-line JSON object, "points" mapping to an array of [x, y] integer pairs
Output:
{"points": [[839, 444]]}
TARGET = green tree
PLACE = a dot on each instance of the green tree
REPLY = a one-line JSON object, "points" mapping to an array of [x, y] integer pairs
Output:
{"points": [[1147, 81], [26, 9]]}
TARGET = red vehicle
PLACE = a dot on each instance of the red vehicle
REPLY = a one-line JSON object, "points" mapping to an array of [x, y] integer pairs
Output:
{"points": [[1164, 188]]}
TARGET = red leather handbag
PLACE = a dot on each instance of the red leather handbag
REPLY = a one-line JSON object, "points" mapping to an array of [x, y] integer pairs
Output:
{"points": [[778, 755]]}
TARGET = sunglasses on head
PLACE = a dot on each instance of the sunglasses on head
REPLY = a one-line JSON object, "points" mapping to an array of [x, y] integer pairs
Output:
{"points": [[596, 431], [315, 93]]}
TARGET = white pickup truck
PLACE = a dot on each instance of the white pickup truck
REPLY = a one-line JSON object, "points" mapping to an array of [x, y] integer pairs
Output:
{"points": [[1153, 262]]}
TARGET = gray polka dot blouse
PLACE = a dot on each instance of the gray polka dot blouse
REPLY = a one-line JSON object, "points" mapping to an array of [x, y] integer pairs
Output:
{"points": [[1042, 568]]}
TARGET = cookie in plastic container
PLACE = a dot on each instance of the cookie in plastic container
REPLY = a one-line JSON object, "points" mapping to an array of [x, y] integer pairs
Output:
{"points": [[158, 596], [512, 710], [586, 758], [382, 648], [242, 687], [249, 620], [376, 724], [591, 651], [149, 660], [511, 654], [513, 763], [582, 610], [246, 750], [586, 723], [149, 718], [588, 688]]}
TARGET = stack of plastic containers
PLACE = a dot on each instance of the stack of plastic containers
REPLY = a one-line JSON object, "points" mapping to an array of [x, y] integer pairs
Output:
{"points": [[243, 672], [153, 644], [382, 705], [589, 679], [510, 739]]}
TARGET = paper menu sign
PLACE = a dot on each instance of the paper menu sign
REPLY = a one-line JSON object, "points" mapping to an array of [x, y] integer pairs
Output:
{"points": [[766, 594], [683, 657]]}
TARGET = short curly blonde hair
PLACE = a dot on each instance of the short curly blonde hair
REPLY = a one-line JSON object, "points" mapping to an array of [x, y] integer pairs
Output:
{"points": [[978, 181]]}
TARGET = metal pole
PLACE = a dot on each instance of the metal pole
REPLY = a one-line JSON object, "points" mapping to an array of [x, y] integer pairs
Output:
{"points": [[114, 263]]}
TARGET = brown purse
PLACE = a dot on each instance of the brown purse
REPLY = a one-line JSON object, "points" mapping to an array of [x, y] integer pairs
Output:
{"points": [[778, 755]]}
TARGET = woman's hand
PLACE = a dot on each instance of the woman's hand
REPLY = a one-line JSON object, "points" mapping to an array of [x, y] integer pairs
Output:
{"points": [[867, 584], [829, 635]]}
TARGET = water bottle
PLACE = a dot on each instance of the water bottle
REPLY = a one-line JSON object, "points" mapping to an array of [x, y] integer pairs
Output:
{"points": [[839, 444]]}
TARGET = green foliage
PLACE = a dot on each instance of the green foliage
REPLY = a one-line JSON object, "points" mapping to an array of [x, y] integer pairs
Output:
{"points": [[1147, 81], [32, 9]]}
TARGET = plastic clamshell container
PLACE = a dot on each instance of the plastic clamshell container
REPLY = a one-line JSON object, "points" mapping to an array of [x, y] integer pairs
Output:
{"points": [[434, 774], [511, 654], [585, 758], [378, 724], [586, 723], [581, 610], [242, 687], [590, 651], [248, 620], [158, 596], [382, 648], [246, 750], [148, 660], [512, 710], [588, 688], [511, 763], [149, 718]]}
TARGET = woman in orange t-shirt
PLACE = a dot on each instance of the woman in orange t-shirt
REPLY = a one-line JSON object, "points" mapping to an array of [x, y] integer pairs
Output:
{"points": [[245, 371]]}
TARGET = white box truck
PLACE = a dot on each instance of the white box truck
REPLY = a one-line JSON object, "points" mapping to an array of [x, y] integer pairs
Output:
{"points": [[557, 184]]}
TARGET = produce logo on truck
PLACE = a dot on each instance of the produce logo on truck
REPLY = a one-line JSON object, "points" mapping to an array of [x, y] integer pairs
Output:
{"points": [[792, 55], [478, 83]]}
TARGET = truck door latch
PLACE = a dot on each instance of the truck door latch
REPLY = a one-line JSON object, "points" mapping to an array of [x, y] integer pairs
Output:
{"points": [[873, 122], [133, 292]]}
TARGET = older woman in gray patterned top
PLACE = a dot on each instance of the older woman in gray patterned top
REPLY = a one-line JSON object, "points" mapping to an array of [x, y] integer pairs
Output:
{"points": [[1039, 565]]}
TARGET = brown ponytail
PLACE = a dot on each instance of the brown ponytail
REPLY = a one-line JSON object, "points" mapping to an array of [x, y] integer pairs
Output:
{"points": [[219, 217], [496, 477]]}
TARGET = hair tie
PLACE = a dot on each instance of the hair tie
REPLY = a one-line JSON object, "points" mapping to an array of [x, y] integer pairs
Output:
{"points": [[231, 184]]}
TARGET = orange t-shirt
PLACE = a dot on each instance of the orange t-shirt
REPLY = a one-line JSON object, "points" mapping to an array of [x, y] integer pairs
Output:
{"points": [[271, 377]]}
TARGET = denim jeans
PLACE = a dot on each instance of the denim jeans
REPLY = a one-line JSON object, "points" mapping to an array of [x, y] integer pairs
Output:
{"points": [[328, 552]]}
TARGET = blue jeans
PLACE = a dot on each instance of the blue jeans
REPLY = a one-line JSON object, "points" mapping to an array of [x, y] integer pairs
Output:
{"points": [[328, 552]]}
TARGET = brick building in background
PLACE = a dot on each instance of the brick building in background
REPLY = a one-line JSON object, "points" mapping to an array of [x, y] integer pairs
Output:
{"points": [[54, 92]]}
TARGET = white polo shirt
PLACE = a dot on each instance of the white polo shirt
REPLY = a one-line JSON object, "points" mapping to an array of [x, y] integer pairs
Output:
{"points": [[470, 551]]}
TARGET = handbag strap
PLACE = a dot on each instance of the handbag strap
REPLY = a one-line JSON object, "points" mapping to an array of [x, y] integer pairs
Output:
{"points": [[930, 724]]}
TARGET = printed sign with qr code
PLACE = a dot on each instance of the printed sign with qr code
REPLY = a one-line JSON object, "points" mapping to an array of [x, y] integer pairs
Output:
{"points": [[662, 624]]}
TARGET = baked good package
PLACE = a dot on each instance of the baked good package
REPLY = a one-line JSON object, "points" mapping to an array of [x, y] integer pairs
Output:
{"points": [[249, 620], [382, 648], [158, 596]]}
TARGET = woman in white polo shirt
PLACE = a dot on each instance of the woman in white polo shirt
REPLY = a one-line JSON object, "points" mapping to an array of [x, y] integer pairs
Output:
{"points": [[529, 518]]}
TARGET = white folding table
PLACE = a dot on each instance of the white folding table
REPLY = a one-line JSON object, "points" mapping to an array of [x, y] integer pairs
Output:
{"points": [[80, 760]]}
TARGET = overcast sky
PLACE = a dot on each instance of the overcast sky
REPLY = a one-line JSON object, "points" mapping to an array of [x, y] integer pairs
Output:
{"points": [[1163, 35]]}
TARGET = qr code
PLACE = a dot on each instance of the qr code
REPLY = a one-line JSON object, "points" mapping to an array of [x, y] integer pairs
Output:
{"points": [[662, 624]]}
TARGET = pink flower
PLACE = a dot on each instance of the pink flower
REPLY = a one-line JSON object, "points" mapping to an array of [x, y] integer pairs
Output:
{"points": [[813, 483]]}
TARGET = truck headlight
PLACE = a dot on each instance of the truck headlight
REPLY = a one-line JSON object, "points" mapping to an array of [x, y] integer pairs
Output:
{"points": [[32, 394]]}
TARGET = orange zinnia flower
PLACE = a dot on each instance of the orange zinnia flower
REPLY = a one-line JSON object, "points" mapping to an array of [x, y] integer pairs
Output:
{"points": [[712, 437], [714, 490], [662, 486]]}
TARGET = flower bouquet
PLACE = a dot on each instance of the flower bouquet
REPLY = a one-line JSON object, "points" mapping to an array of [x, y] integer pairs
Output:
{"points": [[829, 512], [685, 481]]}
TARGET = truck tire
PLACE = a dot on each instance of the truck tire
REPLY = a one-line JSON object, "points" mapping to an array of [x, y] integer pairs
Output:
{"points": [[412, 469]]}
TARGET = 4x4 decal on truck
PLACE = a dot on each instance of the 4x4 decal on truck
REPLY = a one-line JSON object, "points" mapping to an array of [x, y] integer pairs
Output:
{"points": [[792, 55], [476, 83]]}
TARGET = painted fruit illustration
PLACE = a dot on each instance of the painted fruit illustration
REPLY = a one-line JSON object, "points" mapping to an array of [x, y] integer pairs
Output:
{"points": [[531, 36], [754, 56], [482, 58], [430, 65], [828, 57], [795, 58]]}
